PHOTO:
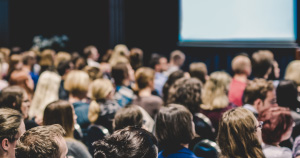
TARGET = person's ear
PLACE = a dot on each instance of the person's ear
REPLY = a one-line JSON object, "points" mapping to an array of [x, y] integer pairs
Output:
{"points": [[5, 144]]}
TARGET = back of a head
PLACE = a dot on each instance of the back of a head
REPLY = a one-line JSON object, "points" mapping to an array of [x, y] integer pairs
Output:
{"points": [[128, 116], [172, 78], [77, 82], [174, 127], [12, 97], [262, 62], [87, 51], [198, 70], [47, 57], [177, 57], [62, 56], [187, 92], [241, 64], [60, 112], [130, 142], [292, 71], [237, 134], [143, 76], [257, 89], [215, 91], [120, 54], [136, 58], [154, 60], [40, 142], [287, 94], [277, 121], [119, 73]]}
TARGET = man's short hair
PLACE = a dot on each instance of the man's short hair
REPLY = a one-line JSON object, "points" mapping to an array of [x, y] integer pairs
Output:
{"points": [[120, 72], [87, 51], [240, 63], [40, 142], [177, 57], [128, 116], [10, 121], [257, 89], [198, 70], [130, 142], [262, 61]]}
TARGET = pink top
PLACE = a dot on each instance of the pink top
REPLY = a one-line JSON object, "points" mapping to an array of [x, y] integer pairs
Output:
{"points": [[236, 91]]}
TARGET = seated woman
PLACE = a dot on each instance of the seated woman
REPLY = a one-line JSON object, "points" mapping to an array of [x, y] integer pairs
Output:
{"points": [[174, 130], [239, 135], [277, 127], [62, 113]]}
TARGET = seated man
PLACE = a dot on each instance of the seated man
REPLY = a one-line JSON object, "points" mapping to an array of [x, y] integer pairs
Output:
{"points": [[129, 142], [11, 128], [259, 95], [42, 142]]}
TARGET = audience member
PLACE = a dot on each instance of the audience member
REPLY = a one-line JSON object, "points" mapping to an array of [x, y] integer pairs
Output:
{"points": [[259, 95], [42, 142], [214, 97], [262, 62], [171, 80], [63, 68], [92, 55], [103, 107], [277, 127], [136, 58], [177, 59], [199, 70], [292, 72], [62, 56], [62, 113], [11, 129], [129, 115], [29, 64], [144, 78], [174, 130], [119, 55], [47, 60], [241, 67], [131, 142]]}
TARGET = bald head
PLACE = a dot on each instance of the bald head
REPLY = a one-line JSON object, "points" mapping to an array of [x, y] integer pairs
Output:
{"points": [[241, 65]]}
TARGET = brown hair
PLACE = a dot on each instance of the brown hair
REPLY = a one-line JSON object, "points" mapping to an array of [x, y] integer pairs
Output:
{"points": [[119, 73], [60, 112], [277, 121], [262, 61], [136, 58], [174, 127], [240, 63], [13, 61], [257, 89], [128, 116], [143, 76], [40, 142], [12, 97], [237, 135], [198, 70], [10, 121]]}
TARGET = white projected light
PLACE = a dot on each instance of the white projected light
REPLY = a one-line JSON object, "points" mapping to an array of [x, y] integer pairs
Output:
{"points": [[237, 20]]}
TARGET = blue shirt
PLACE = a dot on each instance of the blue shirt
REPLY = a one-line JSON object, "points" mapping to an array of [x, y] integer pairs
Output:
{"points": [[182, 153]]}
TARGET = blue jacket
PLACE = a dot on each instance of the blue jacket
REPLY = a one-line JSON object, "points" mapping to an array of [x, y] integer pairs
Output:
{"points": [[182, 153]]}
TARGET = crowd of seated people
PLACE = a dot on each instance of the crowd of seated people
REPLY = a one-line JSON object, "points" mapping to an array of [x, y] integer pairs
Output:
{"points": [[88, 104]]}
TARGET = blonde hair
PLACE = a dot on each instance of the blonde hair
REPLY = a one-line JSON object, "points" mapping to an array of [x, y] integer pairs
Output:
{"points": [[214, 92], [100, 88], [237, 135], [77, 82], [240, 63], [46, 92], [293, 71], [47, 57], [143, 75], [62, 56], [119, 55]]}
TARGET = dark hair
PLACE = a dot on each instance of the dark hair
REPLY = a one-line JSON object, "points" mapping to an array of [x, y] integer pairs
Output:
{"points": [[172, 78], [10, 121], [128, 116], [174, 127], [154, 60], [119, 72], [136, 58], [60, 112], [40, 142], [12, 97], [257, 89], [277, 121], [130, 142], [187, 92], [63, 66], [287, 94]]}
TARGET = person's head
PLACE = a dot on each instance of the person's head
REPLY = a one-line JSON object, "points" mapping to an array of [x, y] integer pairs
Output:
{"points": [[60, 112], [187, 92], [158, 62], [77, 83], [262, 62], [62, 56], [199, 70], [215, 91], [239, 134], [260, 93], [92, 71], [287, 94], [275, 72], [174, 126], [11, 128], [47, 58], [144, 77], [241, 64], [42, 142], [292, 71], [136, 58], [15, 63], [277, 126], [120, 73], [171, 80], [131, 142], [101, 90], [29, 58], [177, 58], [128, 116], [15, 97], [64, 67], [91, 52], [119, 55]]}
